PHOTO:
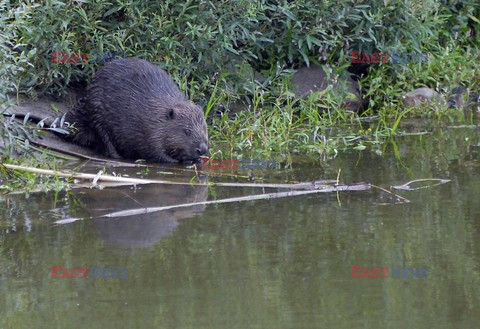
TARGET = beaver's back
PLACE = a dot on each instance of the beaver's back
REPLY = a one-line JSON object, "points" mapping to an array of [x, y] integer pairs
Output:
{"points": [[136, 77], [135, 110]]}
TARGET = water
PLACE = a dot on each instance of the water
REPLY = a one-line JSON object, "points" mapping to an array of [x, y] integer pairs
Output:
{"points": [[284, 263]]}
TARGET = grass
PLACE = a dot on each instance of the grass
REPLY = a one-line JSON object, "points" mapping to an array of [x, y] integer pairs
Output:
{"points": [[280, 125]]}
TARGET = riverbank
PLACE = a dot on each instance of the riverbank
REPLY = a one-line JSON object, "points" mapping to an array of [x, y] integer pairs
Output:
{"points": [[246, 83]]}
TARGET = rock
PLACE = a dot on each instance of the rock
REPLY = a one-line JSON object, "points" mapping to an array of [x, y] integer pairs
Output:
{"points": [[421, 95], [311, 79], [241, 72], [240, 77], [459, 98]]}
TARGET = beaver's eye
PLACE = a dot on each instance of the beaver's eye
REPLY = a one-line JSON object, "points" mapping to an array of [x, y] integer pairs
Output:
{"points": [[187, 132]]}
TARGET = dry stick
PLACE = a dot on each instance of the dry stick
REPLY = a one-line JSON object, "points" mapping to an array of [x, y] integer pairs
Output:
{"points": [[106, 178], [266, 196], [408, 188], [147, 210], [109, 178], [338, 180]]}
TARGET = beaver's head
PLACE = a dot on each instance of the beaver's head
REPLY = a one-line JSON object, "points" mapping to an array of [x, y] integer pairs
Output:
{"points": [[181, 132]]}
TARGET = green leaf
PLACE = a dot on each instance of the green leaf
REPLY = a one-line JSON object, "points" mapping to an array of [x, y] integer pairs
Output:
{"points": [[54, 107], [316, 41], [229, 48], [473, 18], [111, 11], [305, 57]]}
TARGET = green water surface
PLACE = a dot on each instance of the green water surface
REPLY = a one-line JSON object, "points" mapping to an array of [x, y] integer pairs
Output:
{"points": [[283, 263]]}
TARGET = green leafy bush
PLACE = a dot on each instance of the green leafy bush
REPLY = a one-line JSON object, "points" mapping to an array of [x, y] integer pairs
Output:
{"points": [[196, 39]]}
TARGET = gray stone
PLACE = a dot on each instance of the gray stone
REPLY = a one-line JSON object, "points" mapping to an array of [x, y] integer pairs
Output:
{"points": [[421, 95], [308, 80], [462, 98]]}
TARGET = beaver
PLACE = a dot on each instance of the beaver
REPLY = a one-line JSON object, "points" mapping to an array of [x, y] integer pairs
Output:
{"points": [[133, 109]]}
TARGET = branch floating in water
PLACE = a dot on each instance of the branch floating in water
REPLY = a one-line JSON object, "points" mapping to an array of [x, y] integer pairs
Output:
{"points": [[266, 196], [407, 186]]}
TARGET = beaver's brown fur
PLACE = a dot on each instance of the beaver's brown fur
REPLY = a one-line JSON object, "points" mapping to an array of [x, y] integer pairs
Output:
{"points": [[133, 109]]}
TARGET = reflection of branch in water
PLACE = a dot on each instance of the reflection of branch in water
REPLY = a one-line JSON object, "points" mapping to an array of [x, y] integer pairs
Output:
{"points": [[128, 196], [400, 199]]}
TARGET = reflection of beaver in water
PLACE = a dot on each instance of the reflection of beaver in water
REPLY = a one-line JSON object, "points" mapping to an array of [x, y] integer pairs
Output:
{"points": [[134, 110]]}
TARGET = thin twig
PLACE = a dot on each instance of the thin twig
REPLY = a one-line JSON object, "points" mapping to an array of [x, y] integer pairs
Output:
{"points": [[408, 188]]}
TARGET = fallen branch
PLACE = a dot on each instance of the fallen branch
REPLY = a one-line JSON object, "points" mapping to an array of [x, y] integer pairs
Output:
{"points": [[135, 181], [407, 186], [267, 196]]}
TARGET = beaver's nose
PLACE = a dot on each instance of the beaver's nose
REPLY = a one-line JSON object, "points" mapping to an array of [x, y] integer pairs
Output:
{"points": [[202, 149]]}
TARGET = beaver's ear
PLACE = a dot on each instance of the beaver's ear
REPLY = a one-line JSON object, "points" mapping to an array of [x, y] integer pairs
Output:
{"points": [[171, 114]]}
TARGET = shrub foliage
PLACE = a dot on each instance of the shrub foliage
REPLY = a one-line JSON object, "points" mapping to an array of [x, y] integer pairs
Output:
{"points": [[198, 39]]}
